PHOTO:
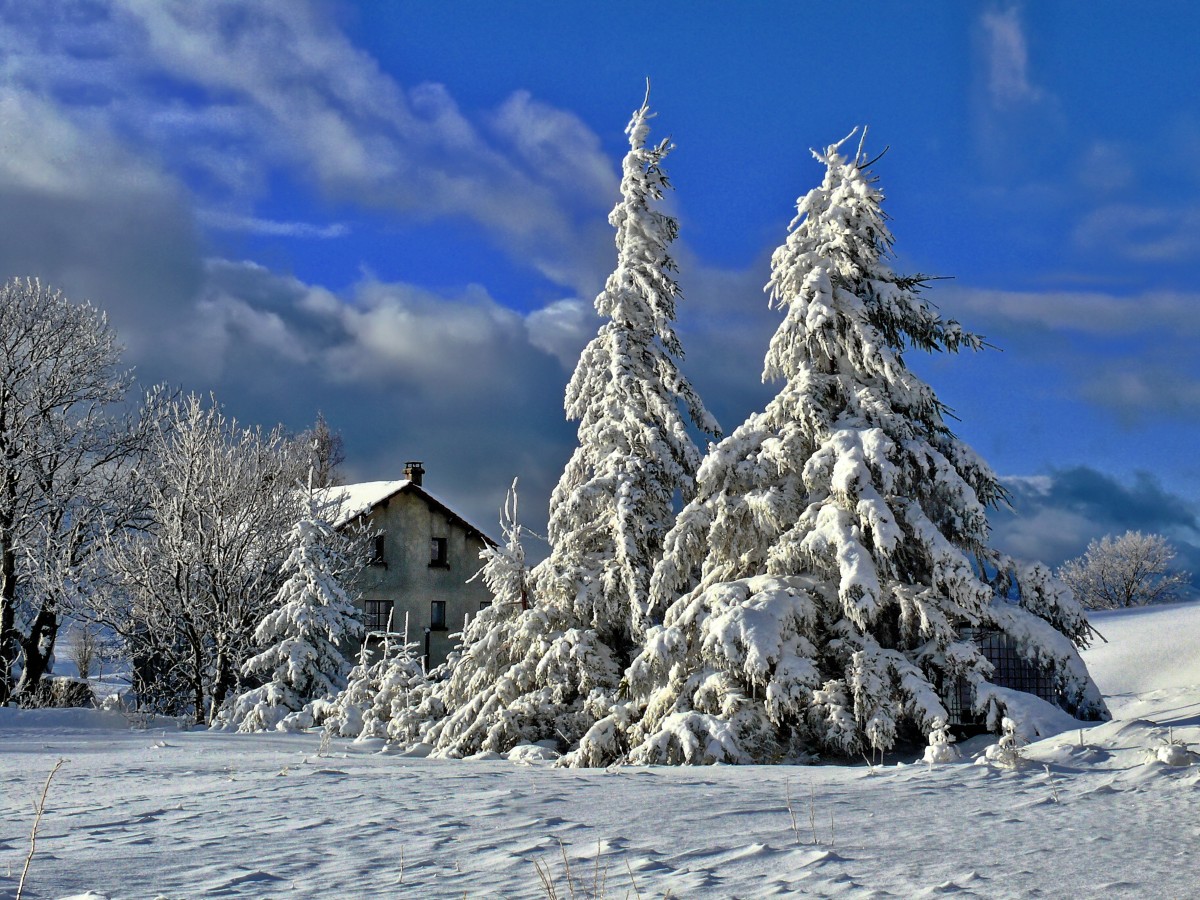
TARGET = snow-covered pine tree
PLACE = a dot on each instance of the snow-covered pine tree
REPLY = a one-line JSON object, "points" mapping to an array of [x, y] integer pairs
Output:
{"points": [[816, 586], [614, 502], [378, 692], [546, 672], [305, 635]]}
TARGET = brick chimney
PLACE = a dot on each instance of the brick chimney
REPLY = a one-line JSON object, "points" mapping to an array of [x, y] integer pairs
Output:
{"points": [[414, 471]]}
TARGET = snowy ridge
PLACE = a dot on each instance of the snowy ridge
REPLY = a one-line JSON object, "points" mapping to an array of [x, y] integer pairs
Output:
{"points": [[1093, 811]]}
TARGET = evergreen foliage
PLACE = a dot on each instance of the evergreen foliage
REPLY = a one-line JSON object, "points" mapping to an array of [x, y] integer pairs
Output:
{"points": [[521, 671], [304, 635], [545, 659], [816, 586], [613, 504], [378, 692]]}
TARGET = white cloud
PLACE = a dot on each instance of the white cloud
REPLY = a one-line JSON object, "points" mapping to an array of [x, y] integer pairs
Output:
{"points": [[379, 334], [1099, 342], [562, 329], [1147, 234], [555, 144], [1007, 58], [1084, 312], [1136, 392], [1106, 167], [395, 331], [256, 88], [298, 93], [226, 221]]}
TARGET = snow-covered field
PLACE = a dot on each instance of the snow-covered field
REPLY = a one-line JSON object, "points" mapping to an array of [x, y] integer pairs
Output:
{"points": [[162, 812]]}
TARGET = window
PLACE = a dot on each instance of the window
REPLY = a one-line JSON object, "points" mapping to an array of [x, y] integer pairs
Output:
{"points": [[377, 554], [437, 615], [376, 614], [484, 604], [438, 553]]}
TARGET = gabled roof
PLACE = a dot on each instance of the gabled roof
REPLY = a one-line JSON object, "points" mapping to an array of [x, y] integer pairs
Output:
{"points": [[354, 500]]}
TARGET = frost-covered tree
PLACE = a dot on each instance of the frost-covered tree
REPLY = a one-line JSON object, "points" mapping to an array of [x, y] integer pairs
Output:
{"points": [[305, 636], [614, 502], [64, 462], [537, 668], [1133, 569], [328, 452], [188, 589], [816, 586]]}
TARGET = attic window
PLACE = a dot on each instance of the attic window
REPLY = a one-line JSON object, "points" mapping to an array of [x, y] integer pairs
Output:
{"points": [[439, 553], [377, 553]]}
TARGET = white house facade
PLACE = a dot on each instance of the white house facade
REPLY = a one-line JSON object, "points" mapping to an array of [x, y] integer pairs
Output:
{"points": [[424, 555]]}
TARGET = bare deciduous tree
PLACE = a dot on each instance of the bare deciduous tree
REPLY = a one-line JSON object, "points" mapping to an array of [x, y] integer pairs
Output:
{"points": [[190, 589], [327, 452], [1133, 569], [85, 651], [61, 457]]}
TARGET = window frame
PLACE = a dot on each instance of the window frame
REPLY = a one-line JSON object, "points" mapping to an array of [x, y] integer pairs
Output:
{"points": [[379, 550], [439, 553], [377, 613]]}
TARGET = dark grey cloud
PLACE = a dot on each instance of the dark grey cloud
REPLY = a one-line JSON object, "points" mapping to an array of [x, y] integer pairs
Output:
{"points": [[457, 381], [1055, 516], [88, 216], [108, 194]]}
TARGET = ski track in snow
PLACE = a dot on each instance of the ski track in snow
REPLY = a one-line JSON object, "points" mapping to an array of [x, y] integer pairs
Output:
{"points": [[178, 814]]}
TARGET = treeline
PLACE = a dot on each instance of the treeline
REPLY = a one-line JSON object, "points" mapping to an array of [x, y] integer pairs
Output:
{"points": [[160, 519]]}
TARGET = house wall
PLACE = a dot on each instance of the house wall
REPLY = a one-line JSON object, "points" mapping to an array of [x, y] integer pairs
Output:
{"points": [[407, 579]]}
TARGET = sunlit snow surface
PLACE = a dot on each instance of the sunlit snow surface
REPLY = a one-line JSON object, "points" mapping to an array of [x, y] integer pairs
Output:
{"points": [[162, 812]]}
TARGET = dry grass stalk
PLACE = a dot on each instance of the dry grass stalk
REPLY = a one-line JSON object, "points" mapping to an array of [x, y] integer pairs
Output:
{"points": [[37, 821]]}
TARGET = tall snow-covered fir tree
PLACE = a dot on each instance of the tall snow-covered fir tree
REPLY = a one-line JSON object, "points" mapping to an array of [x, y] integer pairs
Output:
{"points": [[304, 635], [614, 502], [816, 587], [561, 658]]}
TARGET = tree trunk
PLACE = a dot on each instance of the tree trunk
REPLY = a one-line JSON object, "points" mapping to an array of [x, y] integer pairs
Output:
{"points": [[8, 611], [38, 647], [221, 684], [198, 678]]}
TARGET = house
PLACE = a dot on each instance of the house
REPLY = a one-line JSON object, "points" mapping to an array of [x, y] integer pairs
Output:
{"points": [[423, 555]]}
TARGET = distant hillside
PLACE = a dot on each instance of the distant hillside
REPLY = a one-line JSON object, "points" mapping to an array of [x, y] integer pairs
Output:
{"points": [[1148, 649]]}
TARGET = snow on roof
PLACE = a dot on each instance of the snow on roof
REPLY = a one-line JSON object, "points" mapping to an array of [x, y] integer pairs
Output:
{"points": [[352, 500]]}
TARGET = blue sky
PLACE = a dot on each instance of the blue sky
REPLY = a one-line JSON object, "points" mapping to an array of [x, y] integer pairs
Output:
{"points": [[396, 214]]}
